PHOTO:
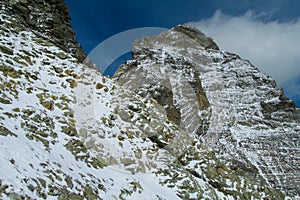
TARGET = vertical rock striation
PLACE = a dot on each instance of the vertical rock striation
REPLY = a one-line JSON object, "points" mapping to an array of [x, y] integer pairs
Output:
{"points": [[233, 108]]}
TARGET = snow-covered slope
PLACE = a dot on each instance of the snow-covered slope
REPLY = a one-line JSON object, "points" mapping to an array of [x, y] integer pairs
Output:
{"points": [[67, 132], [50, 147]]}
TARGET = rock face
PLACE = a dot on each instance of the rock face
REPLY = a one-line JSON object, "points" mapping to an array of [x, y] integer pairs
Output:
{"points": [[181, 120], [50, 20], [226, 102]]}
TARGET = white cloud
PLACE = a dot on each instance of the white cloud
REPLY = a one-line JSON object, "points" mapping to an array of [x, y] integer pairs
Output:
{"points": [[273, 47]]}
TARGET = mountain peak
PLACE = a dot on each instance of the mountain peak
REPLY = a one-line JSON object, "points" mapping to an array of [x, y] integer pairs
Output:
{"points": [[220, 98], [197, 35]]}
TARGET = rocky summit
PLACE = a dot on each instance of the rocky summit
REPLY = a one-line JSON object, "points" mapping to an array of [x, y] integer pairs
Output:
{"points": [[181, 120]]}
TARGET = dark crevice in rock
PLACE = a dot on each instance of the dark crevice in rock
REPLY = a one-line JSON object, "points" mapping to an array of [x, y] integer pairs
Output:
{"points": [[196, 85], [173, 114], [196, 174], [159, 143], [164, 97]]}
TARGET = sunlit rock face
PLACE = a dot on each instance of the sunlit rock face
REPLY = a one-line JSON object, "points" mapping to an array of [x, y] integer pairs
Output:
{"points": [[181, 120], [224, 100]]}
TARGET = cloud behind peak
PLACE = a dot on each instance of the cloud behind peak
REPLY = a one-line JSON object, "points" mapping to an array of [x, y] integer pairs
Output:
{"points": [[272, 46]]}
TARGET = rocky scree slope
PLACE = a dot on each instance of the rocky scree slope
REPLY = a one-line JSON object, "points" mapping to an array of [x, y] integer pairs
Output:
{"points": [[67, 132], [52, 146]]}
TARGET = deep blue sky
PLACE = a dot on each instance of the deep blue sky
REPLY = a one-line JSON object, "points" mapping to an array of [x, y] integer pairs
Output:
{"points": [[96, 20]]}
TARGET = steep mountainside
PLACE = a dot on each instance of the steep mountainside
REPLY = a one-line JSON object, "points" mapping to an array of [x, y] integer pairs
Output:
{"points": [[181, 120], [223, 100]]}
